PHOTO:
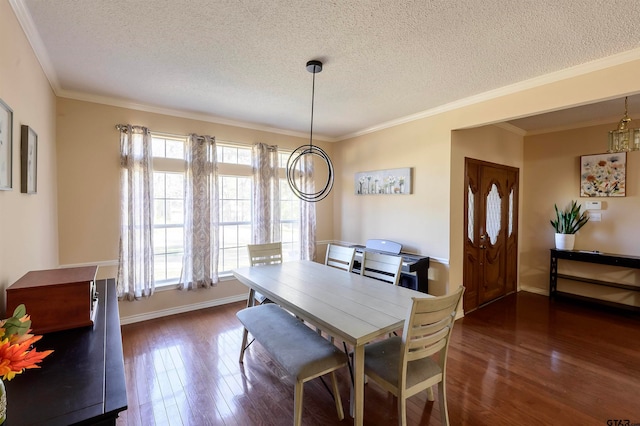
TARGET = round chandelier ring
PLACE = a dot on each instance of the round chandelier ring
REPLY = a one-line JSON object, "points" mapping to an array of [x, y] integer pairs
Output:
{"points": [[293, 167]]}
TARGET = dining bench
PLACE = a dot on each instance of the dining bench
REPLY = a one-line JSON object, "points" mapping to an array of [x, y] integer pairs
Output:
{"points": [[301, 352]]}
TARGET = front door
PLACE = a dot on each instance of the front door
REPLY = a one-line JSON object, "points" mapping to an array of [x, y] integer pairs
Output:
{"points": [[491, 232]]}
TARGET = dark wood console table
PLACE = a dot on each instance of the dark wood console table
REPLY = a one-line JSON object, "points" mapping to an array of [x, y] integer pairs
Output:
{"points": [[591, 257], [82, 382]]}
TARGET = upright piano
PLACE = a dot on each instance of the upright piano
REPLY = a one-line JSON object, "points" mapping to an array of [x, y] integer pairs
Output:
{"points": [[415, 268]]}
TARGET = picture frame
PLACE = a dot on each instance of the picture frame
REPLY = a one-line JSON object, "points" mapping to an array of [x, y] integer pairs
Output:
{"points": [[380, 182], [603, 175], [6, 147], [29, 161]]}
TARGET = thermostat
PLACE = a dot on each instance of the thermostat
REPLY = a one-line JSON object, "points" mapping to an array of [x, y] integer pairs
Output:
{"points": [[592, 205]]}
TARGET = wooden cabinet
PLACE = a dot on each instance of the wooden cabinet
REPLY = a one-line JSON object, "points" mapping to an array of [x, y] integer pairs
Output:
{"points": [[594, 257], [82, 382], [56, 299]]}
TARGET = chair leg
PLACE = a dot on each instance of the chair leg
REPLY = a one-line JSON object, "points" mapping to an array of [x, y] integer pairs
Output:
{"points": [[402, 409], [244, 344], [442, 396], [297, 403], [430, 396], [336, 396]]}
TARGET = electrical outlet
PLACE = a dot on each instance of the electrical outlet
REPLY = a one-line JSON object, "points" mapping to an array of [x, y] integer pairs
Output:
{"points": [[595, 217]]}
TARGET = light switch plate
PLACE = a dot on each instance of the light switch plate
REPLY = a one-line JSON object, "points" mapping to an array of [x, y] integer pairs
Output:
{"points": [[595, 217]]}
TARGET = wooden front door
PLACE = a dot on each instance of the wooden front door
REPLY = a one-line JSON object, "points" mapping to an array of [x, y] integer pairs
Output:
{"points": [[491, 232]]}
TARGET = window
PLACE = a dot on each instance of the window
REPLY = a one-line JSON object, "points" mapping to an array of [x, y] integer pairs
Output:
{"points": [[234, 168], [168, 209]]}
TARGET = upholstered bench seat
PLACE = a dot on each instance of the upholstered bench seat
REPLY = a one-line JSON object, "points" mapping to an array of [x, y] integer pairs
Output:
{"points": [[297, 348]]}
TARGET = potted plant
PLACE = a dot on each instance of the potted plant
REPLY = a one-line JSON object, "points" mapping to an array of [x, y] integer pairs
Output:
{"points": [[567, 223]]}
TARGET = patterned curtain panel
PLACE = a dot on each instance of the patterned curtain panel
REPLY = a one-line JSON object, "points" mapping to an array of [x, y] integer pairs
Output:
{"points": [[266, 194], [201, 244], [135, 268], [307, 211]]}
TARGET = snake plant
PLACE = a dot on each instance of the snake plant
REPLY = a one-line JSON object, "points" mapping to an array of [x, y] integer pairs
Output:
{"points": [[569, 220]]}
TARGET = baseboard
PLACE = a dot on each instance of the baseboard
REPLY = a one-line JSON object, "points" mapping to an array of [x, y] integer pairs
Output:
{"points": [[536, 290], [181, 309]]}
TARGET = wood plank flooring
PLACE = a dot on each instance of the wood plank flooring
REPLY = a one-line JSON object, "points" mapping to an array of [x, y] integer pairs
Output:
{"points": [[522, 360]]}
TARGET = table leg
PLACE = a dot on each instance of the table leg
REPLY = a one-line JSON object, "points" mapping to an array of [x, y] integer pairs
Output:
{"points": [[357, 396], [251, 300]]}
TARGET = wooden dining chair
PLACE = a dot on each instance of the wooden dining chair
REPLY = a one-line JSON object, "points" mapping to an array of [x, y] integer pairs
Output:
{"points": [[340, 257], [264, 254], [417, 360], [382, 267]]}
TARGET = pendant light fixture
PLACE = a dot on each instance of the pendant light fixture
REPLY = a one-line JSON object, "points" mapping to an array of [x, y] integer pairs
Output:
{"points": [[297, 172], [624, 139]]}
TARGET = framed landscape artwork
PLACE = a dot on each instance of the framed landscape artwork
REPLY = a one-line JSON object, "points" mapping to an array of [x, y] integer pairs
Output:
{"points": [[603, 175], [29, 160], [6, 146]]}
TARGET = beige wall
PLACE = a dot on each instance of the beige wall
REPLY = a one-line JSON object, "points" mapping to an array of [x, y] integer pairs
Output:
{"points": [[28, 229], [552, 169], [88, 178], [430, 220]]}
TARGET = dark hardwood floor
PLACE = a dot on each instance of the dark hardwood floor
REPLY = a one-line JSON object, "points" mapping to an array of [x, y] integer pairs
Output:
{"points": [[522, 360]]}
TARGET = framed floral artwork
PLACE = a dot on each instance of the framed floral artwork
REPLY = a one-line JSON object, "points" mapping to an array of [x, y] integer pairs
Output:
{"points": [[391, 181], [6, 146], [603, 175]]}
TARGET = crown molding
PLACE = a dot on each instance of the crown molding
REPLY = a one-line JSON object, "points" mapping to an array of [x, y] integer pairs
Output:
{"points": [[33, 36], [575, 71], [511, 128], [121, 103]]}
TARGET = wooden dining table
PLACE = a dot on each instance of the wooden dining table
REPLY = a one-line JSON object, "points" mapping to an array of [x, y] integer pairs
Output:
{"points": [[345, 305]]}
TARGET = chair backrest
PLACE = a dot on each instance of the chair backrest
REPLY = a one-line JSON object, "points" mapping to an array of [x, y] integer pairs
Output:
{"points": [[340, 257], [265, 254], [381, 266], [427, 329]]}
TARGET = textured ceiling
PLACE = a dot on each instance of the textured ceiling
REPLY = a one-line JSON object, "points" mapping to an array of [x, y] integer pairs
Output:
{"points": [[244, 60]]}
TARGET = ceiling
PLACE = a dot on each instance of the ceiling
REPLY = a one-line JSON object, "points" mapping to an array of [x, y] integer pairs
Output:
{"points": [[243, 61]]}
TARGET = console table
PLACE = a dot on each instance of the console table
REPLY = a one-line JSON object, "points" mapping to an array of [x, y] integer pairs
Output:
{"points": [[591, 257], [82, 382]]}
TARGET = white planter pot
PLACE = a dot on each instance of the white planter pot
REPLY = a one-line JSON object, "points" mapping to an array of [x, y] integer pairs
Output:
{"points": [[565, 241]]}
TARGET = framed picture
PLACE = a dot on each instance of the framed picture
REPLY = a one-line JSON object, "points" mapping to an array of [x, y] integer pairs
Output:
{"points": [[6, 146], [29, 160], [391, 181], [603, 175]]}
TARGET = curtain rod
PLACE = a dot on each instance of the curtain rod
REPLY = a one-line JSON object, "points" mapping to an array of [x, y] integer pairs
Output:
{"points": [[122, 127]]}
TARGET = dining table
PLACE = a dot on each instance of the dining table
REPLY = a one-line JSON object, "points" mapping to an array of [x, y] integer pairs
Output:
{"points": [[347, 306]]}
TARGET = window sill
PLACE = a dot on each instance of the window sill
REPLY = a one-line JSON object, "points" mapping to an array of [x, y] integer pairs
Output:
{"points": [[167, 287]]}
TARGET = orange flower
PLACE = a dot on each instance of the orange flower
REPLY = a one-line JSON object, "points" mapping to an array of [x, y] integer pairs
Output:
{"points": [[16, 345], [15, 358]]}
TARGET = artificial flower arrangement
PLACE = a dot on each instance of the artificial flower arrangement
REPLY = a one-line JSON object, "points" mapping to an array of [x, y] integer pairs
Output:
{"points": [[16, 345]]}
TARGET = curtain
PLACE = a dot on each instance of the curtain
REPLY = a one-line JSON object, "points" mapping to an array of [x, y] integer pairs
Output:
{"points": [[307, 210], [135, 261], [201, 243], [266, 194]]}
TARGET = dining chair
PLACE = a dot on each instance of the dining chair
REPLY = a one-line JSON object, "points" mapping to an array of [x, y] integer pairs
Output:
{"points": [[340, 257], [417, 360], [264, 254], [381, 266]]}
